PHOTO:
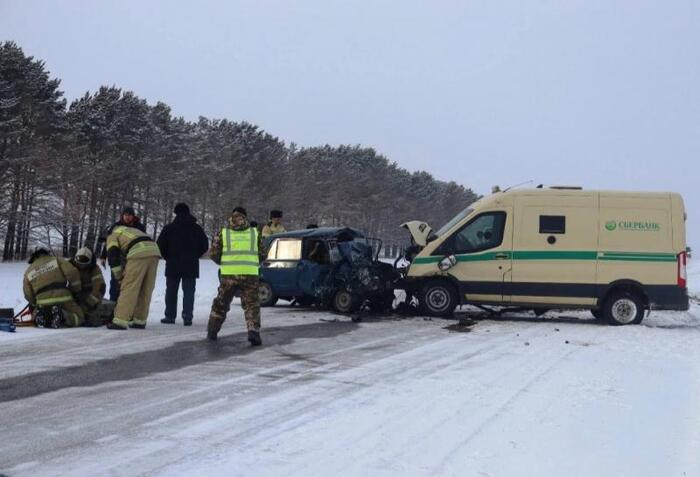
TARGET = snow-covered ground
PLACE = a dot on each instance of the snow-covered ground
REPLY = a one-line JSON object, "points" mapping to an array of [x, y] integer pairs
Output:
{"points": [[558, 395]]}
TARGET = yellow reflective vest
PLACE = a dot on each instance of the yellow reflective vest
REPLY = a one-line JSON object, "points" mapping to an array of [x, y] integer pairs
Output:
{"points": [[239, 252]]}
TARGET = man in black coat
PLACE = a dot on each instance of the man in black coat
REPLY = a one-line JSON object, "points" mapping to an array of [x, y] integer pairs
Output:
{"points": [[129, 218], [182, 242]]}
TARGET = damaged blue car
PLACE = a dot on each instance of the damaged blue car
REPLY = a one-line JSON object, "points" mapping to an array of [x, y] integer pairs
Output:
{"points": [[336, 267]]}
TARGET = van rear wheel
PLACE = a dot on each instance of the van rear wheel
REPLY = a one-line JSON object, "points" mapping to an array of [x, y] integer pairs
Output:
{"points": [[623, 308], [438, 298]]}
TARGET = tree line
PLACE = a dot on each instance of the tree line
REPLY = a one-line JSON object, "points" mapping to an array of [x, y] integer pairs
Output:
{"points": [[67, 170]]}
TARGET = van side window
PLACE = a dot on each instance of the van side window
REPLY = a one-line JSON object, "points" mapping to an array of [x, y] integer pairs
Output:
{"points": [[483, 232], [552, 224]]}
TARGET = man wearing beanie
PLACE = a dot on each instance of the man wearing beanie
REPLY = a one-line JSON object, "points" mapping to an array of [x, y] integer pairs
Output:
{"points": [[181, 242], [236, 249], [274, 226]]}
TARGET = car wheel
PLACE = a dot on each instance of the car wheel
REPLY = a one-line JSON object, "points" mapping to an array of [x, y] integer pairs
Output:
{"points": [[438, 298], [345, 302], [266, 295], [623, 308]]}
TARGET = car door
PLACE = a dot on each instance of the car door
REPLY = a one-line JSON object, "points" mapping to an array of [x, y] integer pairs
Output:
{"points": [[281, 266], [483, 249], [314, 267]]}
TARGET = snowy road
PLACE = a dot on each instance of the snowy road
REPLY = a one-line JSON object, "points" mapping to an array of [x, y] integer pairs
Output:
{"points": [[325, 396]]}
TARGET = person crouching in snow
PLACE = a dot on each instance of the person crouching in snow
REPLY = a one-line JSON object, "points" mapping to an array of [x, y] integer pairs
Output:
{"points": [[236, 249], [93, 286], [49, 286], [133, 257]]}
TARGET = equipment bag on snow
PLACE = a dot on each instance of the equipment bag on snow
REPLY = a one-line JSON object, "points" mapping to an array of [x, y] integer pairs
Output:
{"points": [[7, 319]]}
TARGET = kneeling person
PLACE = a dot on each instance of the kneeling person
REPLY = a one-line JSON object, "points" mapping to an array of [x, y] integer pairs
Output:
{"points": [[49, 286], [93, 286]]}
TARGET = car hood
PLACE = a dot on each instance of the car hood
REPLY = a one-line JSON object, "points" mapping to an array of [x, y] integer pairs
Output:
{"points": [[420, 231]]}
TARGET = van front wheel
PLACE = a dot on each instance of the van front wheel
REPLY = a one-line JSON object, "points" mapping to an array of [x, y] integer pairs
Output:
{"points": [[624, 308], [438, 298]]}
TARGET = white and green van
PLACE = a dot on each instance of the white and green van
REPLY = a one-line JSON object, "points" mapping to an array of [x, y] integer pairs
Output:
{"points": [[615, 253]]}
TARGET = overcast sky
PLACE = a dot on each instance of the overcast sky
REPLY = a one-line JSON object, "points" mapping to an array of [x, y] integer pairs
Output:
{"points": [[603, 94]]}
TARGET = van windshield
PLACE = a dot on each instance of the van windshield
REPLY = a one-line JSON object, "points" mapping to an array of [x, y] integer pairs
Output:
{"points": [[454, 220]]}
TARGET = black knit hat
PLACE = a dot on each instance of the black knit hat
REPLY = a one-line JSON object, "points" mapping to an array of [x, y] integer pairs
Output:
{"points": [[38, 252], [128, 210], [182, 209], [275, 214], [239, 210]]}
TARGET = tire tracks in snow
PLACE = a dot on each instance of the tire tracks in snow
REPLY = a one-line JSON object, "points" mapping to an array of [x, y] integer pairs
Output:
{"points": [[264, 422], [140, 414]]}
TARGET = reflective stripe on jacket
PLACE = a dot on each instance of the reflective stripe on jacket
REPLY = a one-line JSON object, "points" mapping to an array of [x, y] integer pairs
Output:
{"points": [[239, 252], [127, 243], [132, 242], [50, 281]]}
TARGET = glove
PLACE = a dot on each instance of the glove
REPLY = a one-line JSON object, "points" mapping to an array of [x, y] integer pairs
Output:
{"points": [[93, 302]]}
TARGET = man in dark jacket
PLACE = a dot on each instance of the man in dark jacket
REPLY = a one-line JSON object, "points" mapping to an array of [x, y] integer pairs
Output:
{"points": [[128, 218], [181, 244]]}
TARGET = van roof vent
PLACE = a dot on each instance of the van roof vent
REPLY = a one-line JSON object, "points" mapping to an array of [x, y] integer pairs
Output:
{"points": [[566, 187]]}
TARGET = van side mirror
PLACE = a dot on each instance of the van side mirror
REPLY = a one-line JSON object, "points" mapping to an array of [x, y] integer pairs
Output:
{"points": [[447, 263]]}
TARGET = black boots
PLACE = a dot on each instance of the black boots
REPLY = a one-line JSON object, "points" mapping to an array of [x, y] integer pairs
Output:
{"points": [[213, 326], [254, 338], [137, 326], [185, 321], [112, 326]]}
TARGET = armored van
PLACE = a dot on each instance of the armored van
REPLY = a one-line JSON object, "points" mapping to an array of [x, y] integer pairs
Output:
{"points": [[615, 253]]}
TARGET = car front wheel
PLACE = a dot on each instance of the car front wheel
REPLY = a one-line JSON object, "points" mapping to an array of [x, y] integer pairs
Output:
{"points": [[345, 302]]}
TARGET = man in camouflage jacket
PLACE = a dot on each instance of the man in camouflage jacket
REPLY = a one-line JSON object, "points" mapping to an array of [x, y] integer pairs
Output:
{"points": [[237, 249]]}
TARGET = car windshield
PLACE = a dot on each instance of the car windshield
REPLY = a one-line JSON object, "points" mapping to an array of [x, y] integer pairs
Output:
{"points": [[457, 218]]}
